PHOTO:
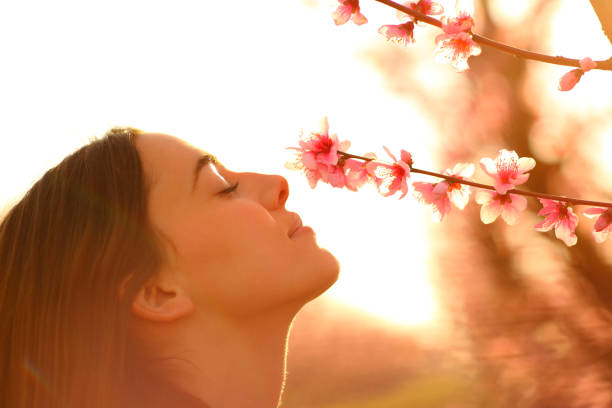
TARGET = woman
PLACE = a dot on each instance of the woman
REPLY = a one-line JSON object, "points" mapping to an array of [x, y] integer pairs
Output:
{"points": [[141, 272]]}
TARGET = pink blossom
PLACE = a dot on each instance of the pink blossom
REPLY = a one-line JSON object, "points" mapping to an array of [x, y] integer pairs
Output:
{"points": [[317, 156], [313, 176], [561, 217], [459, 194], [320, 147], [348, 9], [333, 175], [507, 170], [603, 225], [441, 195], [456, 49], [389, 178], [494, 204], [462, 23], [403, 34], [426, 7], [426, 193], [356, 173]]}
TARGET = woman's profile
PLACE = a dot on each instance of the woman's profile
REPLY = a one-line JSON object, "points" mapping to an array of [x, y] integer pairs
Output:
{"points": [[139, 272]]}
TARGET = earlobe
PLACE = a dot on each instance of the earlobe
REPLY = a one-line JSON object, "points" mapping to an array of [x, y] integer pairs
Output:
{"points": [[161, 303]]}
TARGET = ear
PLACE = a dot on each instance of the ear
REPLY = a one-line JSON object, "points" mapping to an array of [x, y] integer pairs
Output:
{"points": [[161, 301]]}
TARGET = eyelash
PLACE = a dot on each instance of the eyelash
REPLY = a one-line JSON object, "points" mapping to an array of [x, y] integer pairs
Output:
{"points": [[230, 189]]}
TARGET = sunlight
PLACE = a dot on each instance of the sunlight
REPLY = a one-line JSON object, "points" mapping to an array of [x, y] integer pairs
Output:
{"points": [[241, 90], [592, 92], [509, 13]]}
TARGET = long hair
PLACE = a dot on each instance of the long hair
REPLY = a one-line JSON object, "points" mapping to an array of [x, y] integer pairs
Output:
{"points": [[73, 253]]}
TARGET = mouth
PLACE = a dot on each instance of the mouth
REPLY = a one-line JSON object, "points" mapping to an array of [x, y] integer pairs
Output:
{"points": [[297, 224]]}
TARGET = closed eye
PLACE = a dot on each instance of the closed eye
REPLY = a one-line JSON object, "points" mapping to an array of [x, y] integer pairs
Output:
{"points": [[230, 189]]}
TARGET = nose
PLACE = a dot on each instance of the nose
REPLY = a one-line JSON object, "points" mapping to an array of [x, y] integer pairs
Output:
{"points": [[276, 192]]}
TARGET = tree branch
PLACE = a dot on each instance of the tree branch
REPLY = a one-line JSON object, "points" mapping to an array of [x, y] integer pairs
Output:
{"points": [[603, 9], [604, 5], [452, 179]]}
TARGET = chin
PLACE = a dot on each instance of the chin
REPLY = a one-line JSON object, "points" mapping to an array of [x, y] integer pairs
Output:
{"points": [[326, 274]]}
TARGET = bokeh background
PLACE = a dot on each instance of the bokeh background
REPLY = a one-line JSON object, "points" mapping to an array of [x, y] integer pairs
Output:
{"points": [[454, 314]]}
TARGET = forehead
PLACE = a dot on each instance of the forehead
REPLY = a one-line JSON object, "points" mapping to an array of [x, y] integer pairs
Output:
{"points": [[166, 157]]}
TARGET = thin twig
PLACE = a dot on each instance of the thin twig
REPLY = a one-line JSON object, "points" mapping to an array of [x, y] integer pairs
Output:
{"points": [[570, 200]]}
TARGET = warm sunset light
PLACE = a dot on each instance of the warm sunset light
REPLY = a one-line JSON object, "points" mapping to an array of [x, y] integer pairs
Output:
{"points": [[244, 104], [451, 297]]}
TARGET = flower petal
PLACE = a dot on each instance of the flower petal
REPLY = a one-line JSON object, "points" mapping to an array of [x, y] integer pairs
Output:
{"points": [[359, 18], [526, 164], [601, 236], [502, 188], [460, 197], [464, 170], [565, 234], [593, 211], [389, 153], [342, 15], [518, 202], [546, 225], [441, 188], [484, 196], [422, 191], [490, 212], [488, 166]]}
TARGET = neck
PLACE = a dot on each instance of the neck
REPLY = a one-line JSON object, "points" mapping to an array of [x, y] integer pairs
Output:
{"points": [[231, 363]]}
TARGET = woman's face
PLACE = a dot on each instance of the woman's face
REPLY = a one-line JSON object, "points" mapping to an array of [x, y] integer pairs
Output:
{"points": [[232, 252]]}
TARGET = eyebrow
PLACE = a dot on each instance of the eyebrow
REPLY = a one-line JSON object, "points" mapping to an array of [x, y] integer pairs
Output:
{"points": [[202, 161]]}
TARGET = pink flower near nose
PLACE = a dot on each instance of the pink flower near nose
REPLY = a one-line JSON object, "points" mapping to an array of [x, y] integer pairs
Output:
{"points": [[507, 170], [317, 156], [348, 9], [561, 217], [603, 225], [391, 178], [321, 147]]}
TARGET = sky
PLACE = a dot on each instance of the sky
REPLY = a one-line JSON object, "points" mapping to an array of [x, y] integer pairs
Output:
{"points": [[240, 80]]}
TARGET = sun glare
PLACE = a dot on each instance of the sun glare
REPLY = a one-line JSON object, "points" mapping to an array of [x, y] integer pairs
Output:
{"points": [[240, 85]]}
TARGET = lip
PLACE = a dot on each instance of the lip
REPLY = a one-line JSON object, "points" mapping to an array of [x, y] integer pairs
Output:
{"points": [[302, 229], [297, 224]]}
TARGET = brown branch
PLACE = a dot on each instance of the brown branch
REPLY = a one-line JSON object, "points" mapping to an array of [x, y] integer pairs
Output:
{"points": [[517, 52], [603, 9], [569, 200]]}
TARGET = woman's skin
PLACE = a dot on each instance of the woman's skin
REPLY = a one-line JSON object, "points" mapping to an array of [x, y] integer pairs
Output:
{"points": [[215, 320]]}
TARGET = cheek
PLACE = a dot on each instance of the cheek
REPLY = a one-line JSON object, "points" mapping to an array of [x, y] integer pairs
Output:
{"points": [[227, 232], [225, 248], [238, 258]]}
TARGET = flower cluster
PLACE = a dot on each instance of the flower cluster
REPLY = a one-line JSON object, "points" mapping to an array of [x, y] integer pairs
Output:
{"points": [[440, 195], [456, 44], [318, 157], [322, 157]]}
